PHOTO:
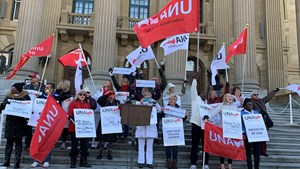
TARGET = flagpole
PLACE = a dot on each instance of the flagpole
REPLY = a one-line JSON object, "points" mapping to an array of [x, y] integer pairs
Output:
{"points": [[198, 43], [45, 66], [156, 63], [244, 67], [88, 68]]}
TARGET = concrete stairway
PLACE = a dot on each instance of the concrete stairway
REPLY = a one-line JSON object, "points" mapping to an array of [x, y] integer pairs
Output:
{"points": [[283, 149]]}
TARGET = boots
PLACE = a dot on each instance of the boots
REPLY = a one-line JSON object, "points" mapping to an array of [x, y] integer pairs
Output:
{"points": [[174, 164], [8, 151], [101, 146], [73, 160], [18, 154], [169, 164], [83, 162], [109, 156]]}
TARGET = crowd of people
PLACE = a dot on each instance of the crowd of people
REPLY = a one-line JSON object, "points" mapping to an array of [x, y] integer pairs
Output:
{"points": [[163, 94]]}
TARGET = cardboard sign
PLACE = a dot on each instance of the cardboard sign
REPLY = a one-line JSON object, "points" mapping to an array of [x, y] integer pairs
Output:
{"points": [[33, 94], [19, 108], [65, 105], [153, 117], [207, 109], [175, 111], [255, 128], [38, 106], [122, 96], [232, 124], [145, 83], [110, 120], [122, 71], [84, 123], [173, 133]]}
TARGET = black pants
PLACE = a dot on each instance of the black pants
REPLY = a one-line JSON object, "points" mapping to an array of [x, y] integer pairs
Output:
{"points": [[28, 136], [84, 144], [17, 140], [252, 148], [222, 160], [197, 135], [64, 134]]}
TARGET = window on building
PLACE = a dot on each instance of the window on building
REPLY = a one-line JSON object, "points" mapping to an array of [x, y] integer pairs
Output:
{"points": [[16, 9], [82, 7], [138, 9]]}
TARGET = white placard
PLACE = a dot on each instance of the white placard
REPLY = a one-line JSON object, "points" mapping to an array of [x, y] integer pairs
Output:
{"points": [[153, 117], [122, 96], [38, 106], [84, 123], [173, 133], [65, 105], [33, 94], [145, 83], [175, 111], [255, 128], [206, 109], [232, 124], [166, 100], [19, 108], [110, 120], [122, 71]]}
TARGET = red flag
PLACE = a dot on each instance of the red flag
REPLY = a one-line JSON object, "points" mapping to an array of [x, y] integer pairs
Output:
{"points": [[177, 17], [215, 143], [42, 49], [72, 58], [239, 46], [48, 129]]}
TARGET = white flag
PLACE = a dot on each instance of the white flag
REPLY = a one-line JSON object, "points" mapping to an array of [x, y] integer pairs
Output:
{"points": [[218, 63], [138, 56], [294, 88], [78, 74], [174, 43]]}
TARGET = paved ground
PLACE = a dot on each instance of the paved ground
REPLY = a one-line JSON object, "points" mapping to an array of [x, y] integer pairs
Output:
{"points": [[57, 166]]}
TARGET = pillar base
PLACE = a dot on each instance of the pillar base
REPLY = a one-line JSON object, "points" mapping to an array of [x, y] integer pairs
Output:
{"points": [[249, 85]]}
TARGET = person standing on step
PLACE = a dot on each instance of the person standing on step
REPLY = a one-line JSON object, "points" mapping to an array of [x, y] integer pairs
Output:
{"points": [[15, 127], [260, 106], [108, 99], [80, 102], [237, 97], [255, 146]]}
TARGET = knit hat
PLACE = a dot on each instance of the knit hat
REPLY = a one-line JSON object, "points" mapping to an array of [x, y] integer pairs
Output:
{"points": [[87, 89], [18, 86]]}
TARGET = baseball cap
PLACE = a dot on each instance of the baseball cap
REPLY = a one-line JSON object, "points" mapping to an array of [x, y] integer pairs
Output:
{"points": [[35, 75]]}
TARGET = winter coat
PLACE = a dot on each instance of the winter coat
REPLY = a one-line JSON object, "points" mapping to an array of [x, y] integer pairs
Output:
{"points": [[156, 92], [15, 126], [92, 102], [32, 87], [119, 87], [196, 99], [149, 131], [76, 104], [163, 78], [259, 104], [218, 110], [103, 102], [218, 99], [63, 95]]}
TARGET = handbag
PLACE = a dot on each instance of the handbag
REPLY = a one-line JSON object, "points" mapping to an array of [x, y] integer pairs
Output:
{"points": [[268, 120]]}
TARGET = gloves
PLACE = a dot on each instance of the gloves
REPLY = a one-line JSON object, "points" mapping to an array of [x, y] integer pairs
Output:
{"points": [[206, 117], [109, 93], [133, 73], [110, 72], [276, 89]]}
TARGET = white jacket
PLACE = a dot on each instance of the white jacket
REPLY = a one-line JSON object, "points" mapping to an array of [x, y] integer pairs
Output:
{"points": [[218, 110], [195, 113]]}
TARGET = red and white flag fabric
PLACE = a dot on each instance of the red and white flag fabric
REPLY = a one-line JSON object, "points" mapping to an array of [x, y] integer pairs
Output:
{"points": [[177, 17], [42, 49], [215, 143], [72, 58], [138, 56], [175, 43], [294, 88], [78, 74], [48, 130], [239, 46], [218, 63]]}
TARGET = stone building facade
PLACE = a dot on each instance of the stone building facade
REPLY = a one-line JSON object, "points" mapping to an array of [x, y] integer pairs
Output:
{"points": [[104, 29]]}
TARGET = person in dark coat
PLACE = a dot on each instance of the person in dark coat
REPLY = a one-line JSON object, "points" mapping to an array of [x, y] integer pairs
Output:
{"points": [[260, 106], [15, 127], [108, 99]]}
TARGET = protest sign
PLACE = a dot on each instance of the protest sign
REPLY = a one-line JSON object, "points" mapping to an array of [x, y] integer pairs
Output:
{"points": [[153, 117], [145, 83], [33, 94], [255, 128], [110, 120], [207, 109], [65, 105], [122, 96], [19, 108], [122, 71], [175, 111], [84, 123], [38, 106], [173, 133], [232, 124]]}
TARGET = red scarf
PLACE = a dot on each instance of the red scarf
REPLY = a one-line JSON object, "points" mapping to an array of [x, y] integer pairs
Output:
{"points": [[124, 88]]}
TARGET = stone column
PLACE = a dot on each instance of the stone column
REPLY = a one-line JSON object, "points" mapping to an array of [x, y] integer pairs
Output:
{"points": [[297, 4], [276, 76], [104, 42], [51, 19], [244, 13], [175, 67], [28, 33]]}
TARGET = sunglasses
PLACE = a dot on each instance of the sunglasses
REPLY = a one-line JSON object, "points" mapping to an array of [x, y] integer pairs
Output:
{"points": [[255, 94], [81, 94], [88, 92]]}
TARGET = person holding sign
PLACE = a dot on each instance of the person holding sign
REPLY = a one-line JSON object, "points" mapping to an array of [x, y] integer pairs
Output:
{"points": [[146, 134], [255, 146], [108, 99], [15, 127], [226, 105], [171, 90], [80, 102], [174, 149]]}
